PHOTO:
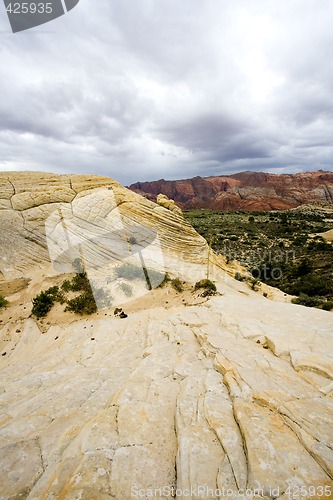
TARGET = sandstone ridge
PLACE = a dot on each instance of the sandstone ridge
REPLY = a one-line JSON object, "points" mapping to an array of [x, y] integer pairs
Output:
{"points": [[226, 393], [32, 199]]}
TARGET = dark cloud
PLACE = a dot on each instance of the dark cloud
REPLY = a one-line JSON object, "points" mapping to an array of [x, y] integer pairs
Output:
{"points": [[144, 90]]}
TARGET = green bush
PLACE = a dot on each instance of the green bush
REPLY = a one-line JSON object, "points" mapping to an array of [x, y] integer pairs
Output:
{"points": [[254, 284], [305, 300], [80, 282], [83, 304], [3, 301], [303, 268], [327, 306], [207, 286], [239, 277], [320, 246], [312, 285], [42, 304], [300, 240], [177, 285], [56, 294], [66, 286], [44, 301]]}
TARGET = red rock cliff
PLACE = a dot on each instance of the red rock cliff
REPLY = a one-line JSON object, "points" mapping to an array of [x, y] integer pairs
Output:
{"points": [[244, 191]]}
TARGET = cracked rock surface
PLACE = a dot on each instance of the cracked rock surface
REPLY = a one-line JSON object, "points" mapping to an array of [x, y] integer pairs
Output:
{"points": [[234, 393]]}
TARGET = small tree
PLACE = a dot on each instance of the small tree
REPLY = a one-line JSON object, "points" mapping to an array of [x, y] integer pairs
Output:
{"points": [[42, 304]]}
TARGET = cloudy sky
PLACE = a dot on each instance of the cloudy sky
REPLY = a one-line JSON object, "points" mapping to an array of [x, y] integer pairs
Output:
{"points": [[145, 89]]}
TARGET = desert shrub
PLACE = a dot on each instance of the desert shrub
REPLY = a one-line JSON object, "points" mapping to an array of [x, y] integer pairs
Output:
{"points": [[53, 291], [303, 268], [328, 305], [205, 284], [3, 301], [254, 284], [300, 240], [83, 304], [283, 218], [305, 300], [177, 285], [239, 277], [44, 301], [42, 304], [56, 294], [80, 282], [312, 285], [66, 286], [320, 246]]}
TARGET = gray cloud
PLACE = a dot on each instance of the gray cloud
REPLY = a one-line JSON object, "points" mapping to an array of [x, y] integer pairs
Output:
{"points": [[143, 90]]}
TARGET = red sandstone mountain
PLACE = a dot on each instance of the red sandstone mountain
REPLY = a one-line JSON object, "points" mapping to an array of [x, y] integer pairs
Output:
{"points": [[244, 191]]}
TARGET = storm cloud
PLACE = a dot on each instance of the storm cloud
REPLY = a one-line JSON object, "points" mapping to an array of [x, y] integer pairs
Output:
{"points": [[149, 89]]}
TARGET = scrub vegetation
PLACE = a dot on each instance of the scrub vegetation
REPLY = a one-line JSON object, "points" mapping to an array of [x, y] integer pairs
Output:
{"points": [[279, 248]]}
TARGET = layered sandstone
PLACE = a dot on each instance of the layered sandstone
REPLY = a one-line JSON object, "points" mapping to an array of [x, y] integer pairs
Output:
{"points": [[93, 207], [244, 191]]}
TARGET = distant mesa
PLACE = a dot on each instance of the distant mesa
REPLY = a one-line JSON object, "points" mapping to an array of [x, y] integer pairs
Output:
{"points": [[251, 191]]}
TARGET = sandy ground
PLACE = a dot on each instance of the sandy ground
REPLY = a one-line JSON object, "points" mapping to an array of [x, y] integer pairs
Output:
{"points": [[20, 292]]}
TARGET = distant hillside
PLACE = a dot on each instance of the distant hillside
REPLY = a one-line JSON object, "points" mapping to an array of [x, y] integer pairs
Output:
{"points": [[244, 191]]}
